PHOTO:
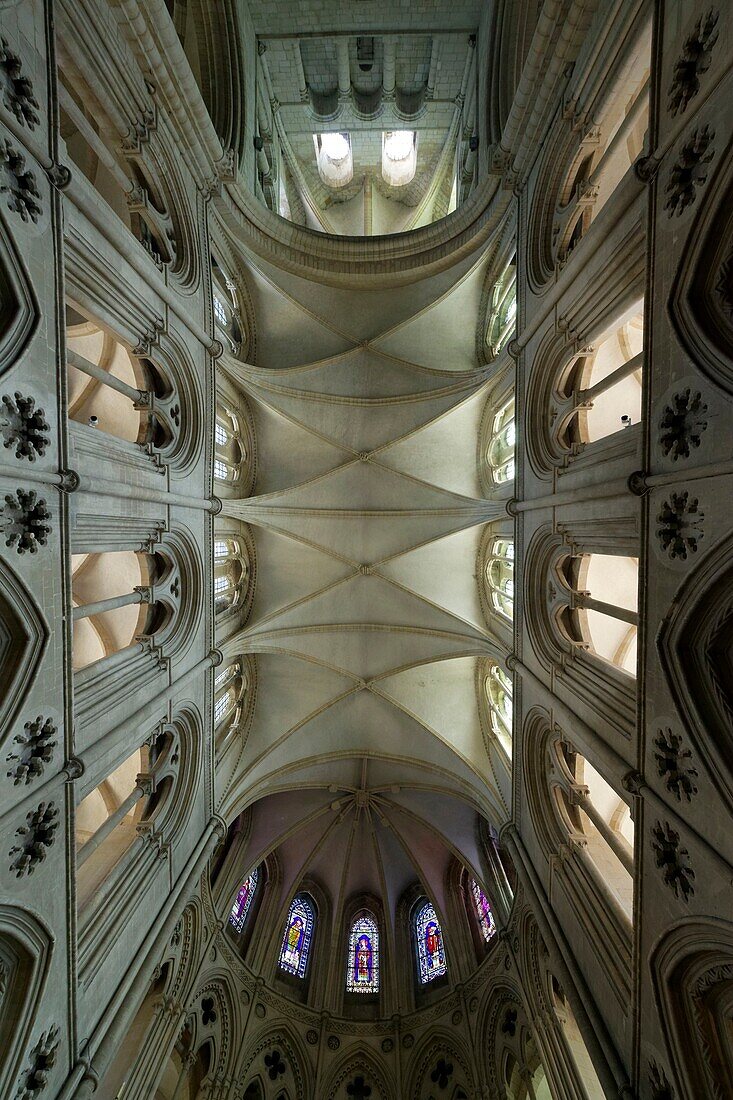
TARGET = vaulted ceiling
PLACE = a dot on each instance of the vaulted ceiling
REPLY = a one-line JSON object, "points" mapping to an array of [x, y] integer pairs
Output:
{"points": [[366, 762]]}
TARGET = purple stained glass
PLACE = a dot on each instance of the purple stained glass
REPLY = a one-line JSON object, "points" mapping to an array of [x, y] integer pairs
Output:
{"points": [[243, 902], [483, 911]]}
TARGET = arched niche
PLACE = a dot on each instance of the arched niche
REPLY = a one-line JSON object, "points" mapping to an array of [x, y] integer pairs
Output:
{"points": [[276, 1064], [440, 1067], [701, 303], [23, 639], [362, 1065], [695, 650], [25, 953], [19, 312], [692, 970]]}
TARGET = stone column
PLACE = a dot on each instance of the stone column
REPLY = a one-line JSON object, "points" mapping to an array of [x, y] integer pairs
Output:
{"points": [[344, 67]]}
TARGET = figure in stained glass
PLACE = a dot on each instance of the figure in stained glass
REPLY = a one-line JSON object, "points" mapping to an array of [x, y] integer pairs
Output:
{"points": [[429, 939], [243, 902], [363, 964], [483, 911], [297, 938]]}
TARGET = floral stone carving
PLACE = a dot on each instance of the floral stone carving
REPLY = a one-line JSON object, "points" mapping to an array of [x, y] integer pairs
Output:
{"points": [[682, 424], [33, 1080], [17, 90], [673, 860], [24, 427], [690, 171], [35, 749], [695, 60], [18, 184], [35, 837], [673, 765], [680, 525], [24, 521]]}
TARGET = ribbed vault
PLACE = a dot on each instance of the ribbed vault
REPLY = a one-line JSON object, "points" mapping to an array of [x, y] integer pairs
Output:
{"points": [[365, 761]]}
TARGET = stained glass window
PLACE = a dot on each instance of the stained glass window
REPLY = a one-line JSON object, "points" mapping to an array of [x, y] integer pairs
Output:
{"points": [[483, 911], [429, 942], [297, 939], [362, 975], [243, 902]]}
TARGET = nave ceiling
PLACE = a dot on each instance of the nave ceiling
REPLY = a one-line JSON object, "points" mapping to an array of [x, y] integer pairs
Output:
{"points": [[366, 763]]}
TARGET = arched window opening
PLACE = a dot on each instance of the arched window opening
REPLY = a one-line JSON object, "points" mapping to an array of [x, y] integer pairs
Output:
{"points": [[500, 576], [527, 1082], [111, 597], [500, 451], [484, 916], [113, 391], [601, 390], [227, 315], [502, 319], [230, 452], [362, 970], [243, 901], [599, 817], [296, 943], [498, 689], [334, 158], [109, 818], [592, 1087], [399, 157], [606, 154], [125, 184], [231, 573], [429, 947], [600, 598], [230, 691]]}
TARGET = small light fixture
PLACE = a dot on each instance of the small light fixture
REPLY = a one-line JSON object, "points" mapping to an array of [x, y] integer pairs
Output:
{"points": [[93, 422], [626, 420]]}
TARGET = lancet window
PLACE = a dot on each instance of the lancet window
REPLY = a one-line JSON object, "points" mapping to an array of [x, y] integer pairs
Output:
{"points": [[362, 968], [229, 449], [601, 605], [498, 689], [243, 901], [502, 317], [231, 572], [230, 689], [500, 451], [399, 157], [227, 315], [500, 576], [335, 159], [299, 927], [596, 813], [599, 391], [429, 947], [484, 915]]}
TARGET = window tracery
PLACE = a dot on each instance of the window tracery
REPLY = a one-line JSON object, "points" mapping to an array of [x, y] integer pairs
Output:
{"points": [[500, 449], [296, 943], [227, 312], [499, 572], [362, 969], [243, 901], [502, 315], [230, 450], [498, 691], [599, 391], [429, 948], [231, 572], [230, 692], [597, 604]]}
